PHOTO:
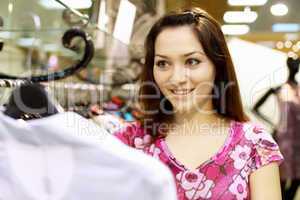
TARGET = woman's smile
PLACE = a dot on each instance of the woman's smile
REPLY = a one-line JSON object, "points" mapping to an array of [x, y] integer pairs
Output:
{"points": [[181, 92]]}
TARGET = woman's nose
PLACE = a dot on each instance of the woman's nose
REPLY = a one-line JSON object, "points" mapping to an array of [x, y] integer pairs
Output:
{"points": [[179, 75]]}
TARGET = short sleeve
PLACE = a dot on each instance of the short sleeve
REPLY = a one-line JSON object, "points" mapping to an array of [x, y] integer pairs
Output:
{"points": [[265, 149], [134, 135]]}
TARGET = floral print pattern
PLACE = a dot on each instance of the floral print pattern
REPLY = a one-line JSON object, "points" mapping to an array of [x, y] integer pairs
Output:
{"points": [[226, 174], [155, 151], [142, 142], [195, 184], [238, 188], [240, 156]]}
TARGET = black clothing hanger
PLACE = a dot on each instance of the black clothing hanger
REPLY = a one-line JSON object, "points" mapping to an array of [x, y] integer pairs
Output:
{"points": [[30, 100], [66, 40]]}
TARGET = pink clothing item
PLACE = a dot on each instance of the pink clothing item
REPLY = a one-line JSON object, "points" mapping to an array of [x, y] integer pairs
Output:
{"points": [[226, 174]]}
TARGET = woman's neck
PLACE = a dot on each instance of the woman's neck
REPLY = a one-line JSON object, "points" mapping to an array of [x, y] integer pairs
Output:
{"points": [[198, 121], [195, 116]]}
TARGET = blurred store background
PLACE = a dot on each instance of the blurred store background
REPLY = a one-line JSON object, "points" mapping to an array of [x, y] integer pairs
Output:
{"points": [[261, 34]]}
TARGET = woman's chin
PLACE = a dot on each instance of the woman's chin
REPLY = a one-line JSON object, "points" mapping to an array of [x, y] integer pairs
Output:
{"points": [[182, 109]]}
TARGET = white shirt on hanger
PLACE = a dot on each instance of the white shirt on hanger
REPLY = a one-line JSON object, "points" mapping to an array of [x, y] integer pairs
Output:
{"points": [[67, 157]]}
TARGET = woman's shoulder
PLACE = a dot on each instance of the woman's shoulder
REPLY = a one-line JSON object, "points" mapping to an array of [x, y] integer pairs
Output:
{"points": [[252, 133], [134, 135], [264, 149]]}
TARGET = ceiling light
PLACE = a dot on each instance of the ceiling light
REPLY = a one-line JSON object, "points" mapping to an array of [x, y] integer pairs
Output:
{"points": [[285, 27], [279, 45], [77, 4], [279, 9], [124, 22], [288, 44], [235, 29], [247, 2], [298, 44], [240, 16], [295, 48]]}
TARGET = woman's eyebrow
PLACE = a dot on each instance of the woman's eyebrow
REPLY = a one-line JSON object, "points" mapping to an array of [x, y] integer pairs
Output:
{"points": [[159, 55], [185, 55], [193, 52]]}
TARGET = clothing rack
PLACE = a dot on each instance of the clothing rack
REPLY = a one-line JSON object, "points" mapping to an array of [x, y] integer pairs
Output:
{"points": [[7, 83], [76, 86]]}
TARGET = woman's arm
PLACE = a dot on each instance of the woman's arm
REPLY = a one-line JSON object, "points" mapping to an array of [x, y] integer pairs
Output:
{"points": [[265, 183]]}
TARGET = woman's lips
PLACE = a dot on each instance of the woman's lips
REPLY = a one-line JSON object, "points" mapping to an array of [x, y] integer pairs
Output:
{"points": [[181, 92]]}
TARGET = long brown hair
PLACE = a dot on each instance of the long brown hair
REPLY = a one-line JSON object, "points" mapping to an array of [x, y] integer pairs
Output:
{"points": [[213, 42]]}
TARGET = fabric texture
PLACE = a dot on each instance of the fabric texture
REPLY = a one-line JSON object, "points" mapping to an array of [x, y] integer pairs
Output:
{"points": [[226, 174], [66, 157]]}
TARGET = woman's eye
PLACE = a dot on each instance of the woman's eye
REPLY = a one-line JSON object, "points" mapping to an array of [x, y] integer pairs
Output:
{"points": [[192, 61], [161, 63]]}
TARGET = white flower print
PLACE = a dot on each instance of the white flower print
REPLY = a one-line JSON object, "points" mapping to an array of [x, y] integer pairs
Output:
{"points": [[245, 172], [256, 133], [195, 184], [239, 188], [141, 143], [240, 156], [155, 151]]}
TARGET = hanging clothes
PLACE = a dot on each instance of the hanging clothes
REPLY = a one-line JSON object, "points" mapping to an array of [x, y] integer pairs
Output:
{"points": [[66, 156], [287, 131]]}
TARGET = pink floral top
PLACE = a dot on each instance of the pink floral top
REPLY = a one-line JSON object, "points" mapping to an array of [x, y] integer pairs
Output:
{"points": [[226, 174]]}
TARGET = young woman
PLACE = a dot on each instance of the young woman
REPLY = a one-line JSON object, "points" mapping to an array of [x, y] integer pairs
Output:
{"points": [[194, 121]]}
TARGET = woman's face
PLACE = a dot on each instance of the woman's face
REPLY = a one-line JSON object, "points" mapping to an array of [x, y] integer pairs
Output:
{"points": [[182, 71]]}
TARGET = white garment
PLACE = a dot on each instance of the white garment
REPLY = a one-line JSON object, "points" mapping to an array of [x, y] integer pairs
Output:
{"points": [[66, 157]]}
